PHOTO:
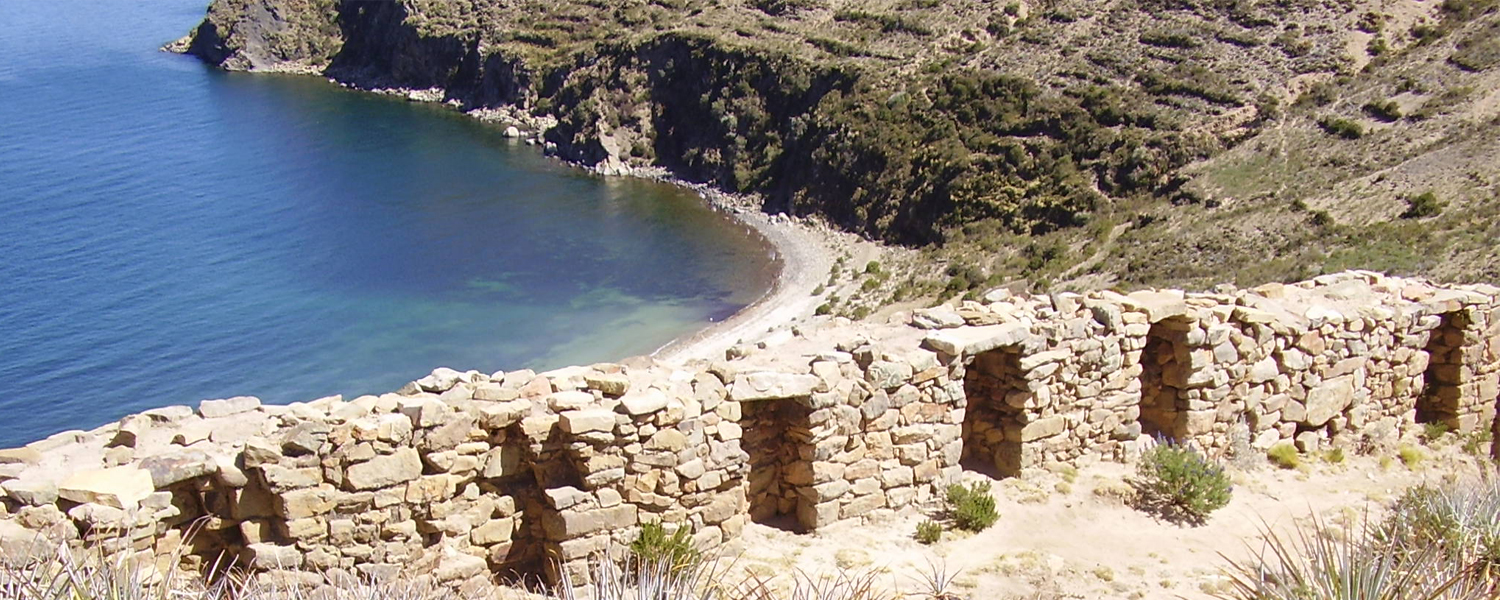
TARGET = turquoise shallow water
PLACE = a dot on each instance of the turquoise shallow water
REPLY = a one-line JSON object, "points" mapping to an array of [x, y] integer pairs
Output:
{"points": [[170, 233]]}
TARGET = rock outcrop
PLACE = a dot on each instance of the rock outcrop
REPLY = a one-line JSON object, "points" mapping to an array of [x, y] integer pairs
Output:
{"points": [[463, 476]]}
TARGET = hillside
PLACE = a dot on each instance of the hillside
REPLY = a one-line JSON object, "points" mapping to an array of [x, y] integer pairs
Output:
{"points": [[1067, 143]]}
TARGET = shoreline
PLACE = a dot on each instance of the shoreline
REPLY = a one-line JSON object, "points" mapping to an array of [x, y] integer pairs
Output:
{"points": [[802, 249], [803, 255]]}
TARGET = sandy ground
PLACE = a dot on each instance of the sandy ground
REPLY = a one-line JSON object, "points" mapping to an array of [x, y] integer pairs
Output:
{"points": [[1069, 534]]}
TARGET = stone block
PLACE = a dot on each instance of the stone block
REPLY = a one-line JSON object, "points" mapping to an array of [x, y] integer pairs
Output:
{"points": [[213, 409], [1043, 428], [582, 421], [384, 471], [609, 384], [119, 487], [643, 402], [771, 385]]}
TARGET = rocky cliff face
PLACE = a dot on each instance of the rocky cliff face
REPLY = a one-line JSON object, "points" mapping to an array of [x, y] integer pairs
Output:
{"points": [[912, 121], [898, 159]]}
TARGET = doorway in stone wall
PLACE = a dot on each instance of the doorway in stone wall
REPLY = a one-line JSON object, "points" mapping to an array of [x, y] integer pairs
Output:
{"points": [[778, 438], [1165, 369], [994, 419], [1442, 381]]}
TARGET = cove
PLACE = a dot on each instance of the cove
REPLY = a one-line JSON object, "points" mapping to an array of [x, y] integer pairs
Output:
{"points": [[171, 233]]}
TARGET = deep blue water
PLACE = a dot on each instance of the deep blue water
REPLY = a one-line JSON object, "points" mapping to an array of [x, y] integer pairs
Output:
{"points": [[170, 233]]}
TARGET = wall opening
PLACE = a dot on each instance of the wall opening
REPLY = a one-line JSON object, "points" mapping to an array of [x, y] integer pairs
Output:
{"points": [[1443, 380], [996, 388], [1165, 369], [778, 438], [515, 476]]}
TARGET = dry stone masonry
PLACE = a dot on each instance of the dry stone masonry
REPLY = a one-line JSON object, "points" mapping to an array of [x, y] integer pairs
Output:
{"points": [[470, 477]]}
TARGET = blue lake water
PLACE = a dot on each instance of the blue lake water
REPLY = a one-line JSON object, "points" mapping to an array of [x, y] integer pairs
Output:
{"points": [[170, 233]]}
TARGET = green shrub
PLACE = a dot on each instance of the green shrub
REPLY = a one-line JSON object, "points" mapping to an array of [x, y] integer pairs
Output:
{"points": [[823, 309], [872, 267], [1284, 455], [1387, 110], [929, 532], [655, 546], [1423, 205], [972, 508], [1180, 485], [1334, 456], [1432, 432], [1411, 456], [1344, 128]]}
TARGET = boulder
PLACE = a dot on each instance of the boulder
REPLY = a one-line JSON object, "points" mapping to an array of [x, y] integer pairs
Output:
{"points": [[120, 487]]}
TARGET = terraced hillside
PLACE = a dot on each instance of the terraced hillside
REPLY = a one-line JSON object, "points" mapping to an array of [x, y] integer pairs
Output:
{"points": [[1066, 142]]}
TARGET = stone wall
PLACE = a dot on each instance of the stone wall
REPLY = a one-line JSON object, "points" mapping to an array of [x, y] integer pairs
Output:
{"points": [[469, 477]]}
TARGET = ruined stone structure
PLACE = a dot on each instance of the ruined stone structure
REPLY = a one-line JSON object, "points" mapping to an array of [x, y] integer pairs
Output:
{"points": [[466, 476]]}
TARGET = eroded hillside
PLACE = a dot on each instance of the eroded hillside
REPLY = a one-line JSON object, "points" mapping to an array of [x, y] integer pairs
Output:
{"points": [[1065, 142]]}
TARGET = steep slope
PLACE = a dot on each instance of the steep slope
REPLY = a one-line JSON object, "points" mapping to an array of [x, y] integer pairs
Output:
{"points": [[972, 124]]}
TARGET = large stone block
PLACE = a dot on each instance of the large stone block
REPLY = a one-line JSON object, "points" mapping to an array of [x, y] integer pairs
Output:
{"points": [[572, 524], [120, 487], [974, 340], [771, 385], [1328, 400], [384, 471], [213, 409], [1043, 428], [583, 421]]}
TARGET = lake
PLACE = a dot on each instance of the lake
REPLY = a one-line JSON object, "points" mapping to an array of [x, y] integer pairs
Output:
{"points": [[172, 233]]}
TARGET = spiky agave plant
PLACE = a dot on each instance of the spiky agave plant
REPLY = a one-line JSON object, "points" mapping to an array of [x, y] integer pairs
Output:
{"points": [[1320, 562], [841, 585], [68, 574], [637, 577], [1462, 521]]}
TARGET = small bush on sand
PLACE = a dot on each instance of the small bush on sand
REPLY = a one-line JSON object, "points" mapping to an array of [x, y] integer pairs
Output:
{"points": [[972, 508], [1176, 483], [1411, 456], [1284, 455], [929, 532]]}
